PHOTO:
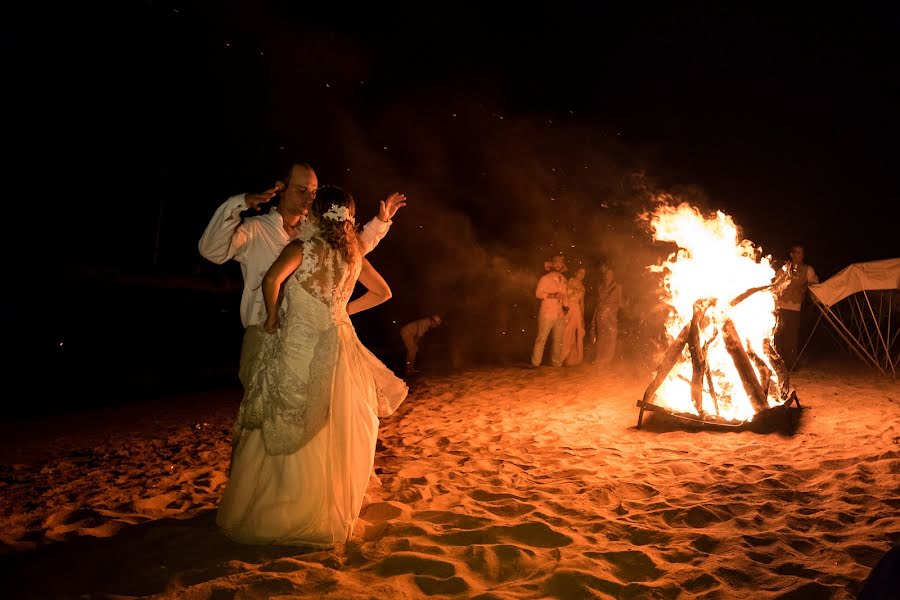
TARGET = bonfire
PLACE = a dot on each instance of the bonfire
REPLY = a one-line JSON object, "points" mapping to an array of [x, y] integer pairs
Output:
{"points": [[721, 365]]}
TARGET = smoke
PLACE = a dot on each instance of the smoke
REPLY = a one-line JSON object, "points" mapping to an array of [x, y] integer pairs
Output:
{"points": [[493, 193]]}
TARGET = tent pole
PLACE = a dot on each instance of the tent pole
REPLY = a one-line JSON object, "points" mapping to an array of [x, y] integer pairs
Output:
{"points": [[888, 333], [854, 344], [877, 322], [802, 350], [862, 326]]}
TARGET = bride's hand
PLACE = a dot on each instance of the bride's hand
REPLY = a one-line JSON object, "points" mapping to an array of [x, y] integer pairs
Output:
{"points": [[389, 207], [271, 325]]}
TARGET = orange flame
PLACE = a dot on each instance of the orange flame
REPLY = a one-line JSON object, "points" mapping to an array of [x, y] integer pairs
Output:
{"points": [[713, 262]]}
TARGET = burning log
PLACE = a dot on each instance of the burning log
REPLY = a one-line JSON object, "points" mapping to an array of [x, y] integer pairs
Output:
{"points": [[712, 390], [764, 372], [698, 354], [742, 363], [738, 299], [671, 357], [778, 363]]}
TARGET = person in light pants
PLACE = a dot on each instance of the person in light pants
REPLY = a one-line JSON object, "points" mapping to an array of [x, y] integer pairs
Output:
{"points": [[552, 291]]}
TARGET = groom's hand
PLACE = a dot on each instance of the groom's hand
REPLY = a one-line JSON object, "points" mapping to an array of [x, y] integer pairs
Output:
{"points": [[254, 200], [389, 207]]}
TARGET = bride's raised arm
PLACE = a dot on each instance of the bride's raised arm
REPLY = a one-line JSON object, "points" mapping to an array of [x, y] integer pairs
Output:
{"points": [[287, 262], [378, 290]]}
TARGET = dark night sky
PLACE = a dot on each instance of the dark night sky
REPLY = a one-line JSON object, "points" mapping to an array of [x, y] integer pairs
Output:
{"points": [[787, 121]]}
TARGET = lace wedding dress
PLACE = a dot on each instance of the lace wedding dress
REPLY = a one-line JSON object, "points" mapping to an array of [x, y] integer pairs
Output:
{"points": [[306, 431]]}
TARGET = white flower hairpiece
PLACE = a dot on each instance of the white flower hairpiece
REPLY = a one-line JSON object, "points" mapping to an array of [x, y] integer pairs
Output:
{"points": [[339, 213]]}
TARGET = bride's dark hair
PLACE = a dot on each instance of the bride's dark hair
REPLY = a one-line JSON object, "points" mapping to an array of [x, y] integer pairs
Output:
{"points": [[333, 231]]}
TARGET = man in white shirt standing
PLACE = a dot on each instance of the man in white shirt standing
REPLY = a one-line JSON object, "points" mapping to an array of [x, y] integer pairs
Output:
{"points": [[800, 276], [257, 241], [552, 291]]}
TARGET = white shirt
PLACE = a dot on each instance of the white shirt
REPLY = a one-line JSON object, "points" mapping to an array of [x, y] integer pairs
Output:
{"points": [[554, 282], [791, 298], [256, 242]]}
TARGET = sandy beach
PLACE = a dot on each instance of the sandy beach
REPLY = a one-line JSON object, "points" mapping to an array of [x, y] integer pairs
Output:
{"points": [[495, 484]]}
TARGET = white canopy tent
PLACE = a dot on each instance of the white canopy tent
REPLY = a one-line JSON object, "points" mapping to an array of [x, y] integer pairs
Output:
{"points": [[862, 304]]}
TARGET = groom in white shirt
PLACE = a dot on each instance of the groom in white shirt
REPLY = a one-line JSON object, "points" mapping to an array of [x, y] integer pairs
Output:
{"points": [[552, 291], [256, 242]]}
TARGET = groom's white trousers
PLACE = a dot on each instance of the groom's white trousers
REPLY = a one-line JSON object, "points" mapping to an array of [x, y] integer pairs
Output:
{"points": [[547, 326]]}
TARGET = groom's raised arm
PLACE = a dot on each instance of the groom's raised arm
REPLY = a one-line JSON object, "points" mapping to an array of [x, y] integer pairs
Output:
{"points": [[224, 235], [377, 228]]}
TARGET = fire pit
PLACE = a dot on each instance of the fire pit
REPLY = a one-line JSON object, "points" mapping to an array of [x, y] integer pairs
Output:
{"points": [[721, 366]]}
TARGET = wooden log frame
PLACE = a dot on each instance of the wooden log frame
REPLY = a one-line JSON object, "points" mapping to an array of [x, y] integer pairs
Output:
{"points": [[764, 372], [738, 299], [668, 361], [712, 390], [780, 370], [665, 365], [744, 368], [698, 353], [690, 335]]}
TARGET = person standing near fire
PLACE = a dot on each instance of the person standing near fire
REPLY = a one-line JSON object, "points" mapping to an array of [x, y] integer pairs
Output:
{"points": [[573, 337], [796, 277], [605, 323], [552, 291], [412, 334]]}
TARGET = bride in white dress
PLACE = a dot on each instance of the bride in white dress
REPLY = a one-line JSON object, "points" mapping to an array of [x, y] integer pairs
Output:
{"points": [[306, 430]]}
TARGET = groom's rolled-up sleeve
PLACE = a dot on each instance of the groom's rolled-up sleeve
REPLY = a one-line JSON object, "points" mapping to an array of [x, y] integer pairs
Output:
{"points": [[225, 235], [543, 288], [373, 233]]}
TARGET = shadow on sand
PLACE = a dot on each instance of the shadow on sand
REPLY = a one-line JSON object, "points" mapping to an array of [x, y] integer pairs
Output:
{"points": [[140, 560]]}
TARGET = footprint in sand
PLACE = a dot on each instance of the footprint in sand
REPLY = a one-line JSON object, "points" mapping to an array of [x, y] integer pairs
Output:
{"points": [[629, 565], [284, 565], [486, 496], [409, 563], [736, 578], [679, 557], [695, 517], [802, 546], [700, 584], [809, 591], [797, 570], [509, 508], [573, 584], [84, 517], [467, 538], [635, 491], [536, 534], [433, 586], [704, 543], [761, 557], [380, 512], [501, 562], [451, 520], [867, 556], [636, 536]]}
